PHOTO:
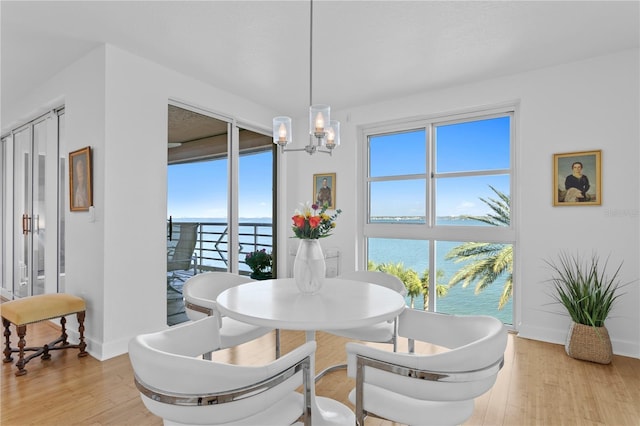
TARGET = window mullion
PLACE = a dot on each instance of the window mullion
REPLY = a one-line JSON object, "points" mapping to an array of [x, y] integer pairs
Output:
{"points": [[471, 173], [399, 177]]}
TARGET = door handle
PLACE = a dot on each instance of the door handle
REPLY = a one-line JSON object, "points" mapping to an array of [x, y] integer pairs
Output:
{"points": [[170, 236], [25, 224]]}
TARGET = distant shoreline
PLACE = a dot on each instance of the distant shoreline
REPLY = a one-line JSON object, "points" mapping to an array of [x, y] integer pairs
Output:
{"points": [[373, 218], [415, 218]]}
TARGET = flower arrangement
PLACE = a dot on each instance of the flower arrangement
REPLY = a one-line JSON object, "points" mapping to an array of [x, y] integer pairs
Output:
{"points": [[313, 222], [259, 261]]}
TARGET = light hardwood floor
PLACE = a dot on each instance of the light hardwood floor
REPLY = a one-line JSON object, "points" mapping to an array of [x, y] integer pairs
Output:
{"points": [[539, 385]]}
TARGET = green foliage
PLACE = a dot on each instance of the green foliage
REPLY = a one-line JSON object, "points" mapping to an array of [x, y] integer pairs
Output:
{"points": [[409, 277], [441, 289], [584, 288], [501, 210], [259, 260], [414, 284], [489, 261]]}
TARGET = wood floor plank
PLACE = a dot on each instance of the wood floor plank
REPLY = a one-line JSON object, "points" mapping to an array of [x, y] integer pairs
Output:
{"points": [[538, 385]]}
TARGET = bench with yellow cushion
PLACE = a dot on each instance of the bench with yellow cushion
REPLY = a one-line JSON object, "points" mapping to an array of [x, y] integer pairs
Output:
{"points": [[28, 310]]}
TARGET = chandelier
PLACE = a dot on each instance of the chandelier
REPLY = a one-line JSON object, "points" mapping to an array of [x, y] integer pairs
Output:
{"points": [[324, 133]]}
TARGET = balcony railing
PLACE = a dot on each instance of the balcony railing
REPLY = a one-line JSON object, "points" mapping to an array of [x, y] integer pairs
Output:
{"points": [[212, 244]]}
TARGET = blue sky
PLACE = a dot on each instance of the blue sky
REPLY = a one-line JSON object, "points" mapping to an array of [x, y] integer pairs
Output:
{"points": [[462, 147], [199, 189]]}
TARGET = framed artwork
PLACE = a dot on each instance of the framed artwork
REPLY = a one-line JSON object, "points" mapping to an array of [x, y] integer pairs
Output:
{"points": [[80, 189], [577, 179], [324, 189]]}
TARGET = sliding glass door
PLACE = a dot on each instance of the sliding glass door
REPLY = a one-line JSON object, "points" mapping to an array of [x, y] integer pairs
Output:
{"points": [[220, 196]]}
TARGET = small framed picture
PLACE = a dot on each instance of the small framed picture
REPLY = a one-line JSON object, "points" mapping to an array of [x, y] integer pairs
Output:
{"points": [[577, 179], [80, 189], [324, 190]]}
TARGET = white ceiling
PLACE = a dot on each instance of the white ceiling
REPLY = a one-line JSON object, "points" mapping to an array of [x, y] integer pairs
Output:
{"points": [[364, 51]]}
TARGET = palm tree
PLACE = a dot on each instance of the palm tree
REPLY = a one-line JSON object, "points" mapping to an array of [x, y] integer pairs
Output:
{"points": [[441, 289], [409, 277], [489, 260]]}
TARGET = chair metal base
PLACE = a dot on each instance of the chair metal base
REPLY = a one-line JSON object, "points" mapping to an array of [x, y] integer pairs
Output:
{"points": [[330, 369]]}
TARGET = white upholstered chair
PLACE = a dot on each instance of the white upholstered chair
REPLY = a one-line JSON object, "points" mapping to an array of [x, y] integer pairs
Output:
{"points": [[184, 389], [200, 293], [384, 332], [437, 389]]}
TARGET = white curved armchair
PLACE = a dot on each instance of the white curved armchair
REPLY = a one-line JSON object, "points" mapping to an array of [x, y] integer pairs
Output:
{"points": [[200, 293], [384, 332], [437, 389], [180, 387]]}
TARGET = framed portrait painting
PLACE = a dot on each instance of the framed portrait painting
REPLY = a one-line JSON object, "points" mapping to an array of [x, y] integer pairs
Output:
{"points": [[80, 189], [324, 190], [577, 179]]}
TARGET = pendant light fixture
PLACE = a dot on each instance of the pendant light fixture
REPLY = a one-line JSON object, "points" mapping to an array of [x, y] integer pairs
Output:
{"points": [[324, 133]]}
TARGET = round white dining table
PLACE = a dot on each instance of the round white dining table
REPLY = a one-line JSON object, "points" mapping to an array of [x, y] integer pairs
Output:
{"points": [[340, 304]]}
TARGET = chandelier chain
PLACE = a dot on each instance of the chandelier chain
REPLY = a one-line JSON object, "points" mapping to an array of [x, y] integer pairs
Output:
{"points": [[311, 52]]}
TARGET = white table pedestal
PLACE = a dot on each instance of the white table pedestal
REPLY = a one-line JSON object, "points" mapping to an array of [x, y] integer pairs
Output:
{"points": [[331, 412], [327, 411]]}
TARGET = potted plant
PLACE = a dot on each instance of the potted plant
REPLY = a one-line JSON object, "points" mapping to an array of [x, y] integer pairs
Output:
{"points": [[260, 263], [583, 287]]}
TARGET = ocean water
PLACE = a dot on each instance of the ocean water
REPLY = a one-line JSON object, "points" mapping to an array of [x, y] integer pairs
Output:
{"points": [[459, 300], [414, 254]]}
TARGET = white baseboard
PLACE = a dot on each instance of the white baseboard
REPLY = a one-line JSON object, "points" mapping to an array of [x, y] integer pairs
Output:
{"points": [[557, 336]]}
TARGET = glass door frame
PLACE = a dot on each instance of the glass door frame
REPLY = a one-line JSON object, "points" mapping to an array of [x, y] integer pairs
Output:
{"points": [[31, 213], [233, 177]]}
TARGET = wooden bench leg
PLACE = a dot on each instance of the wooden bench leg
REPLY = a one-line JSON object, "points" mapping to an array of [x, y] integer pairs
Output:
{"points": [[45, 349], [7, 346], [22, 331], [63, 331], [82, 345]]}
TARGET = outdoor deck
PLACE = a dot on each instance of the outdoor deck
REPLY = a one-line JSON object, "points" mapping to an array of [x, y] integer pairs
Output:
{"points": [[211, 254]]}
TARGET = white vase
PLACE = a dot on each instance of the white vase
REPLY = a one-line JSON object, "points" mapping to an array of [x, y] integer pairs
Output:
{"points": [[309, 266]]}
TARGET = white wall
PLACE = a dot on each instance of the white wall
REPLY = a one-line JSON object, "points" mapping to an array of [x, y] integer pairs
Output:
{"points": [[135, 195], [579, 106], [116, 103], [80, 87]]}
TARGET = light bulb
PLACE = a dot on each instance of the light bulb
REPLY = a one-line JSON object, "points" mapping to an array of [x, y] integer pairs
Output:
{"points": [[282, 133], [319, 122], [331, 135]]}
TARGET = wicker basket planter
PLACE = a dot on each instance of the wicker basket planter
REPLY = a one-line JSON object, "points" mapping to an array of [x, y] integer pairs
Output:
{"points": [[589, 343]]}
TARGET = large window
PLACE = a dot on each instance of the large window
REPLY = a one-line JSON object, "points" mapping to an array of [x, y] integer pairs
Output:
{"points": [[439, 211]]}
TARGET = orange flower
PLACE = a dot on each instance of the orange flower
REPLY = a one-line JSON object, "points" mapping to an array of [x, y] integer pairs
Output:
{"points": [[314, 221], [298, 220]]}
